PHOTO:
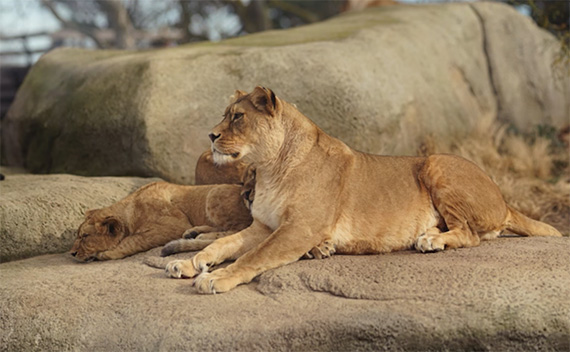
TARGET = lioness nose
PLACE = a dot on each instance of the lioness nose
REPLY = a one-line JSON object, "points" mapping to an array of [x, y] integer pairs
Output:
{"points": [[213, 137], [73, 253]]}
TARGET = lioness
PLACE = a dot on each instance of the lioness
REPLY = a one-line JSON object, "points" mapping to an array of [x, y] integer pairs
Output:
{"points": [[313, 190], [158, 213]]}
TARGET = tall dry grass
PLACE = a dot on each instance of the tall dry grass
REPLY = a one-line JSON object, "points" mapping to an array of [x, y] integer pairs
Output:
{"points": [[532, 172]]}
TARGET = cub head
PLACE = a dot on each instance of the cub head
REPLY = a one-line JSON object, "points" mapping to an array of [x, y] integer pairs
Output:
{"points": [[98, 233], [251, 129], [209, 173], [248, 188]]}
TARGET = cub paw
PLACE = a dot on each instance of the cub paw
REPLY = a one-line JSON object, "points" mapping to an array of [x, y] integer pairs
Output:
{"points": [[216, 282], [211, 236], [322, 251], [190, 234], [107, 255], [170, 248], [180, 269], [430, 243]]}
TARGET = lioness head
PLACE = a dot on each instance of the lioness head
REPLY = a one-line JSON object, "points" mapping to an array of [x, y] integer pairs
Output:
{"points": [[98, 233], [251, 129]]}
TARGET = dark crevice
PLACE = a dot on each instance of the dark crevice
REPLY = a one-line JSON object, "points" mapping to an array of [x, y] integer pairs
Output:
{"points": [[488, 58]]}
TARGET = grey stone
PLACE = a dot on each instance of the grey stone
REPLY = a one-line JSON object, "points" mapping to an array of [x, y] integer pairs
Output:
{"points": [[509, 294], [379, 80]]}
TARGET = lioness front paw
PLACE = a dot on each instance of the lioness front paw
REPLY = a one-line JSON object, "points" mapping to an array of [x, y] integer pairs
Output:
{"points": [[430, 243], [180, 269], [322, 251], [215, 282]]}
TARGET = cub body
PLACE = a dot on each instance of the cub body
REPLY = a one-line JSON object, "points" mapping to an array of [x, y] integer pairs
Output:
{"points": [[158, 213], [208, 173]]}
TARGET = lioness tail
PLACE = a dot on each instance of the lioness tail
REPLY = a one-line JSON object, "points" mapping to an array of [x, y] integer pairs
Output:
{"points": [[522, 225]]}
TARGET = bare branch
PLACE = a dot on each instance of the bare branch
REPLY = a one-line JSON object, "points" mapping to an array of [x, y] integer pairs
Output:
{"points": [[132, 11], [254, 17], [185, 20], [119, 21], [86, 30]]}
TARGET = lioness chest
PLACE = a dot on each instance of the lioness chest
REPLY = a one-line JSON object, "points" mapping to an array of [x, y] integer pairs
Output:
{"points": [[268, 206]]}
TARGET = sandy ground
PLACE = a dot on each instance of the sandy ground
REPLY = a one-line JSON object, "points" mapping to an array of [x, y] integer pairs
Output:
{"points": [[507, 294]]}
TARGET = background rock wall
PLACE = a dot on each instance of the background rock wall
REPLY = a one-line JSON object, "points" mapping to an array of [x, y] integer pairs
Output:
{"points": [[379, 80]]}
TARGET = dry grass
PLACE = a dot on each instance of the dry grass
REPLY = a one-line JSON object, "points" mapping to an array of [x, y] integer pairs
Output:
{"points": [[532, 172]]}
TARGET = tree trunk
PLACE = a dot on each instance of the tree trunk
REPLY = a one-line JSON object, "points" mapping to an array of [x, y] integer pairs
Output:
{"points": [[120, 22]]}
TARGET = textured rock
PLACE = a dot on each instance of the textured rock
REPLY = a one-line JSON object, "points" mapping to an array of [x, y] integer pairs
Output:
{"points": [[41, 214], [509, 294], [530, 88], [378, 80]]}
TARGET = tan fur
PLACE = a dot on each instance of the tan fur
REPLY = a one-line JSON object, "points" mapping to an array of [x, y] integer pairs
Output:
{"points": [[158, 213], [313, 190], [208, 173]]}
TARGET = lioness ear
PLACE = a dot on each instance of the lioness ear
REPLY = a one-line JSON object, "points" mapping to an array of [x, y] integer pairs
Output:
{"points": [[113, 225], [237, 94], [265, 100]]}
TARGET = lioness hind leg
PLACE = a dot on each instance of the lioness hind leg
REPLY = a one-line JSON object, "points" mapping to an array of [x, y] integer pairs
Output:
{"points": [[324, 250], [455, 238], [468, 201]]}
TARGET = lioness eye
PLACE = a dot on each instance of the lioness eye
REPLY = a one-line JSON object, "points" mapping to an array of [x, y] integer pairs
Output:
{"points": [[237, 116], [84, 235]]}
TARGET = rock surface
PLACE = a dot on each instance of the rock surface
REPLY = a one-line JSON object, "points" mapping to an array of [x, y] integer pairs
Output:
{"points": [[377, 79], [41, 214], [508, 294]]}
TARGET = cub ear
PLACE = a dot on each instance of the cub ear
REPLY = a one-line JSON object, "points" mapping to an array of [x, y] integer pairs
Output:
{"points": [[89, 213], [113, 225], [248, 176], [265, 100], [237, 94]]}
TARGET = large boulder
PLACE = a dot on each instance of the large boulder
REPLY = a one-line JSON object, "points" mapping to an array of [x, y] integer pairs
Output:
{"points": [[509, 294], [41, 213], [377, 79], [529, 71]]}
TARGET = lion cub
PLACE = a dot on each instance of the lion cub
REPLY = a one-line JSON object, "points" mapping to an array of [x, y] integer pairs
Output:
{"points": [[192, 240], [312, 189], [158, 213], [209, 173]]}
